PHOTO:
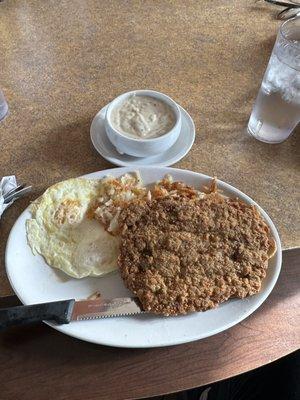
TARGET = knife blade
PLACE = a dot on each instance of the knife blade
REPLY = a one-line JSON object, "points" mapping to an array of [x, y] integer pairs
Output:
{"points": [[65, 311], [105, 308]]}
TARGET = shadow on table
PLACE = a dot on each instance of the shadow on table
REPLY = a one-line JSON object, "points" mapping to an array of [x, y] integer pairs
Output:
{"points": [[6, 223], [278, 380]]}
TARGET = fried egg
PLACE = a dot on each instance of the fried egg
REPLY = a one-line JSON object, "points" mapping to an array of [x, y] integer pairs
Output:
{"points": [[61, 231]]}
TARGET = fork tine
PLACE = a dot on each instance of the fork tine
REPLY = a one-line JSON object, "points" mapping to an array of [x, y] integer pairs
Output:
{"points": [[18, 194], [12, 191], [291, 4]]}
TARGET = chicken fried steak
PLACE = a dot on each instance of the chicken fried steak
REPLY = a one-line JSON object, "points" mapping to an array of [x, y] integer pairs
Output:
{"points": [[180, 255]]}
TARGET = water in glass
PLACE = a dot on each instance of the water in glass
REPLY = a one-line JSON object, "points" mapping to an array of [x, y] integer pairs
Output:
{"points": [[276, 111]]}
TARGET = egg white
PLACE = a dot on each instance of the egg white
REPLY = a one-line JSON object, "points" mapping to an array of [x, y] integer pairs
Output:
{"points": [[62, 233]]}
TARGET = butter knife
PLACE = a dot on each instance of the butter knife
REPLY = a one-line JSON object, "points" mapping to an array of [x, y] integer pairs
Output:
{"points": [[65, 311]]}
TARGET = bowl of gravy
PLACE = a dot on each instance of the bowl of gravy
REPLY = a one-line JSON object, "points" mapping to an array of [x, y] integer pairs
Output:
{"points": [[143, 123]]}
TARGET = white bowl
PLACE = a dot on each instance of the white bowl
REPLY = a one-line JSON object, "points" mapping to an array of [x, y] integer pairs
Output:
{"points": [[142, 147]]}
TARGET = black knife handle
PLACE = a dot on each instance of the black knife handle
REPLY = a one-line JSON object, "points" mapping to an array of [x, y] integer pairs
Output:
{"points": [[57, 311]]}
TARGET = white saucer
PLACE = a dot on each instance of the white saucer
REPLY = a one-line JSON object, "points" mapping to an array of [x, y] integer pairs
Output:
{"points": [[175, 153]]}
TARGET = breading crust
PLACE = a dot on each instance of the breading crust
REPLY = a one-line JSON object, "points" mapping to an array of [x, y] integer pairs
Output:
{"points": [[181, 254]]}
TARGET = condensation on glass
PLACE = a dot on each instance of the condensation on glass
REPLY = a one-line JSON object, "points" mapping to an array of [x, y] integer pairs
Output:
{"points": [[276, 111]]}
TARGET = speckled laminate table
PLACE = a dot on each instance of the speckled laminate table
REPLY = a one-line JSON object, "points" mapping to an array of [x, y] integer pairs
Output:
{"points": [[61, 62]]}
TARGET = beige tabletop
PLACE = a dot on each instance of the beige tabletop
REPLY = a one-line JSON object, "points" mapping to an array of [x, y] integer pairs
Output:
{"points": [[62, 61]]}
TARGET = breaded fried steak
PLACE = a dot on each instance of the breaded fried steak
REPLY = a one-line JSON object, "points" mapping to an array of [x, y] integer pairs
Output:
{"points": [[180, 255]]}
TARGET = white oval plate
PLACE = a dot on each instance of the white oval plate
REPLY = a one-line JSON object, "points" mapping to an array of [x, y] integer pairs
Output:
{"points": [[106, 149], [34, 282]]}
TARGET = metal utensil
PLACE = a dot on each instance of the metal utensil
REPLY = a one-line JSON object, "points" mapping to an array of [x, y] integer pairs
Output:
{"points": [[13, 190], [65, 311], [16, 193], [292, 8]]}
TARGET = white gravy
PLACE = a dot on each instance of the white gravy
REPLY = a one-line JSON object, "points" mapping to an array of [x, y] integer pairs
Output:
{"points": [[143, 117]]}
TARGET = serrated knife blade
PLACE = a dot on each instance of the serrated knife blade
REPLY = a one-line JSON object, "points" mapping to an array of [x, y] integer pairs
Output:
{"points": [[105, 308], [65, 311]]}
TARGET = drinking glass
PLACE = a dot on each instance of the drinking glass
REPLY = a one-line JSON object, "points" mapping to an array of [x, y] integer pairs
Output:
{"points": [[3, 106], [276, 111]]}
